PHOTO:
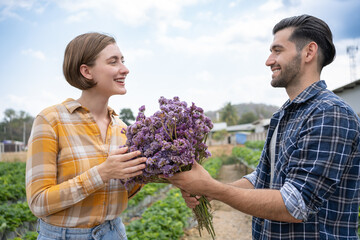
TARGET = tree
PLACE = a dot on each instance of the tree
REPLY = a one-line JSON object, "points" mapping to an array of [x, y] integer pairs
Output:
{"points": [[229, 115], [10, 114], [16, 125], [219, 135], [127, 116], [247, 117]]}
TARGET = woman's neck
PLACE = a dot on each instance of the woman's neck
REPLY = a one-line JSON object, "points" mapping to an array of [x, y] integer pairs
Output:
{"points": [[97, 104]]}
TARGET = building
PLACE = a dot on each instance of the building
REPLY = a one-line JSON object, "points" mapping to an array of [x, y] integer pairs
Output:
{"points": [[12, 146], [351, 94], [239, 134]]}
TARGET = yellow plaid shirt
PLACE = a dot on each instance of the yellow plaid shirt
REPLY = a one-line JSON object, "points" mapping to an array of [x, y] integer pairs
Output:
{"points": [[63, 186]]}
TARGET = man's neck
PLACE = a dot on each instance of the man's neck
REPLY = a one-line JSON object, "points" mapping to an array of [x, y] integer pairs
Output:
{"points": [[294, 90]]}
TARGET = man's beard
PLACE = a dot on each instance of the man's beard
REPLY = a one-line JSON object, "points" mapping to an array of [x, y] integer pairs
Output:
{"points": [[288, 72]]}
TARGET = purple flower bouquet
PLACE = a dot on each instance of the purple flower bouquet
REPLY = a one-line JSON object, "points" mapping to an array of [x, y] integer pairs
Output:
{"points": [[172, 139]]}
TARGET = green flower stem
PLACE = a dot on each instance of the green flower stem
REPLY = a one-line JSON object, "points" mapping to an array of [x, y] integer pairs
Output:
{"points": [[204, 216]]}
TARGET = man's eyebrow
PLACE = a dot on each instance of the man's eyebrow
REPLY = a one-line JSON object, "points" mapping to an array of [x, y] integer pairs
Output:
{"points": [[276, 46]]}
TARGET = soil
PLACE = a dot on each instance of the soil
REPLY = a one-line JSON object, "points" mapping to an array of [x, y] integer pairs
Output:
{"points": [[229, 223]]}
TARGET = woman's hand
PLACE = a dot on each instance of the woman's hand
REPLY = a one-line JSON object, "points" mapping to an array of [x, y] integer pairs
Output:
{"points": [[121, 165]]}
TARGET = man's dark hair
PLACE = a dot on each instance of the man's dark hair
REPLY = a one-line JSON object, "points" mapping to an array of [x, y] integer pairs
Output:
{"points": [[309, 28]]}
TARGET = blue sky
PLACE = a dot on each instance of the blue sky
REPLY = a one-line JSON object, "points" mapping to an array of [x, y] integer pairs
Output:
{"points": [[205, 51]]}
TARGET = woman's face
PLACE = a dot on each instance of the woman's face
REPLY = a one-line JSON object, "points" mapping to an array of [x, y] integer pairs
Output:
{"points": [[109, 72]]}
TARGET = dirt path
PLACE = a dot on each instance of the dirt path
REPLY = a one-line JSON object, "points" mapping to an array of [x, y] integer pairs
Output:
{"points": [[229, 223]]}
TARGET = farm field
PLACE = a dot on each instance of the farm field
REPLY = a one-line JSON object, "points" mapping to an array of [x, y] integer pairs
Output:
{"points": [[154, 204], [149, 209]]}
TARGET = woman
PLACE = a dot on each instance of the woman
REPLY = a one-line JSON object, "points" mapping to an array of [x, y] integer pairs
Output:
{"points": [[74, 160]]}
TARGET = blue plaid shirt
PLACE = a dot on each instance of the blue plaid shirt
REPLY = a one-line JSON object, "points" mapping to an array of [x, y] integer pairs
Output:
{"points": [[316, 168]]}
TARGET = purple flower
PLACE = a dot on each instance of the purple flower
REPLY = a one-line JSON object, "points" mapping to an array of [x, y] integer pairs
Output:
{"points": [[172, 139]]}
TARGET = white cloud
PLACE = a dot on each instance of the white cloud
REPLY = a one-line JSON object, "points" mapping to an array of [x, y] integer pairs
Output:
{"points": [[239, 34], [271, 5], [204, 76], [202, 53], [232, 4], [134, 55], [33, 53], [178, 23], [9, 8], [27, 4], [33, 104], [77, 17], [135, 12]]}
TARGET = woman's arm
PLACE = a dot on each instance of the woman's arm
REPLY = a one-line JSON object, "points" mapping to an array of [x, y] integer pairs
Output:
{"points": [[44, 194]]}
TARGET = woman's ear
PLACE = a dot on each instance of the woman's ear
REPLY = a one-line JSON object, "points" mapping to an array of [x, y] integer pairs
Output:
{"points": [[86, 71]]}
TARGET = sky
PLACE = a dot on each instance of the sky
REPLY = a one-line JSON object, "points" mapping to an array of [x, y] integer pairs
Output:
{"points": [[209, 52]]}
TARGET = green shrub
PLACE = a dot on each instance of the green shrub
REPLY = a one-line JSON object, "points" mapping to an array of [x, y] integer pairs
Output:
{"points": [[164, 220], [228, 160], [148, 190], [13, 215], [213, 165], [167, 218], [219, 135], [247, 155], [12, 181], [255, 145]]}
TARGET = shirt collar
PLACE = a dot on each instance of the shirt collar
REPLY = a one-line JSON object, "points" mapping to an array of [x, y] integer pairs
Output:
{"points": [[71, 105], [308, 93]]}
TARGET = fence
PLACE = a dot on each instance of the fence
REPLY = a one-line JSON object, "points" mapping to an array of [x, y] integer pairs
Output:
{"points": [[2, 149], [261, 136]]}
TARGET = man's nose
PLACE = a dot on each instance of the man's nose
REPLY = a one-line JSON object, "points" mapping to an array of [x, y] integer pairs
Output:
{"points": [[270, 61]]}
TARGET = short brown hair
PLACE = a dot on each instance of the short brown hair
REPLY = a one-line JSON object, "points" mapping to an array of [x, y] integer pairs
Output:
{"points": [[83, 49]]}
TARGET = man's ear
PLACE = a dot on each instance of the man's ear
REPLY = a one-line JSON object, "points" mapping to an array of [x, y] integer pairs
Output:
{"points": [[311, 51], [86, 71]]}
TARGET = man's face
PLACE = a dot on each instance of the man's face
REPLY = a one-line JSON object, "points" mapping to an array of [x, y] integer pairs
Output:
{"points": [[284, 60]]}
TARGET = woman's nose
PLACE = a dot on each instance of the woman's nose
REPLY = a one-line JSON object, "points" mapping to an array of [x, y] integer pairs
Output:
{"points": [[124, 69]]}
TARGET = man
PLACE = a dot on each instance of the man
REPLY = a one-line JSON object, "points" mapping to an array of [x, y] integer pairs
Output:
{"points": [[306, 185]]}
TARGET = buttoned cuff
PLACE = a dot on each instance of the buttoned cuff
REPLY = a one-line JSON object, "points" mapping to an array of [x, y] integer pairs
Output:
{"points": [[91, 180], [294, 202]]}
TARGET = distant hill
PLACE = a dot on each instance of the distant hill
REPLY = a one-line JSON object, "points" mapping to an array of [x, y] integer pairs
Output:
{"points": [[259, 109]]}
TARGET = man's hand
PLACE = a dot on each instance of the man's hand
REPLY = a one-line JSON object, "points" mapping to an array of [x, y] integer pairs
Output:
{"points": [[191, 201], [197, 181]]}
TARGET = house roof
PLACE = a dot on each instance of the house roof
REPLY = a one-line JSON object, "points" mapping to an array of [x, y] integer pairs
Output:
{"points": [[234, 128], [262, 122], [347, 86], [241, 127], [219, 126]]}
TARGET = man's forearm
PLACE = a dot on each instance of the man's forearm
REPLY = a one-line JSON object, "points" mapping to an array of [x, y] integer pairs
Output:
{"points": [[263, 203], [242, 183]]}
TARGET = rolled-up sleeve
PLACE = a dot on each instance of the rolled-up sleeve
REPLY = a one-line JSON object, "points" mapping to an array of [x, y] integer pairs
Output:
{"points": [[316, 166], [294, 202], [251, 177]]}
